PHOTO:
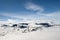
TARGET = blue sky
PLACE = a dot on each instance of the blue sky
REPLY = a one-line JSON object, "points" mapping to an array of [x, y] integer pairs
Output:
{"points": [[30, 9]]}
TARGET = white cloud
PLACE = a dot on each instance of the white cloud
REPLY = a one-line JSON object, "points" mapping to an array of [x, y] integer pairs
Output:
{"points": [[3, 22], [26, 18], [39, 16], [8, 21], [29, 6], [54, 14], [34, 7], [35, 16]]}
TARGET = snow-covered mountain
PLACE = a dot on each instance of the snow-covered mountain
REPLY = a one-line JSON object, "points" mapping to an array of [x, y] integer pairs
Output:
{"points": [[14, 33]]}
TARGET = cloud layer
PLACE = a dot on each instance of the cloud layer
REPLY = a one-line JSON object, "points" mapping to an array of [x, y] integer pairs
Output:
{"points": [[37, 16], [33, 7]]}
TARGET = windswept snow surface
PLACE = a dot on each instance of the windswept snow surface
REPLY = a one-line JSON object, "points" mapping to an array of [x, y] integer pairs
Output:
{"points": [[52, 33]]}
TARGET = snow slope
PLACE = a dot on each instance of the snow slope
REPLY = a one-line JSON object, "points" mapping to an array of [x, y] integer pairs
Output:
{"points": [[52, 33]]}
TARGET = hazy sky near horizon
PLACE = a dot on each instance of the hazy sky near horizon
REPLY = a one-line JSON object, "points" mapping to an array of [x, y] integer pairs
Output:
{"points": [[30, 10]]}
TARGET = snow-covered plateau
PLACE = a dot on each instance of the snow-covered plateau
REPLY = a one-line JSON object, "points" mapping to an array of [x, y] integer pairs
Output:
{"points": [[51, 33]]}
